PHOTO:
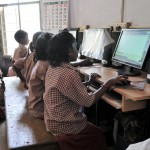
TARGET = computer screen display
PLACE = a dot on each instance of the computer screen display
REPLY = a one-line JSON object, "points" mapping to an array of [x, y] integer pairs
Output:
{"points": [[132, 47], [93, 43], [74, 33]]}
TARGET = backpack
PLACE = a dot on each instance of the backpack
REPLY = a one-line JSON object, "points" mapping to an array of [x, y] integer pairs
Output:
{"points": [[132, 125]]}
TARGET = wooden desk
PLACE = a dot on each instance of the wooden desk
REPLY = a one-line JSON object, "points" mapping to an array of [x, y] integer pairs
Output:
{"points": [[24, 132], [132, 99]]}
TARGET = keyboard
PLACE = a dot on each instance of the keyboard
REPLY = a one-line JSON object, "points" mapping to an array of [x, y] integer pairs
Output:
{"points": [[86, 62], [123, 83]]}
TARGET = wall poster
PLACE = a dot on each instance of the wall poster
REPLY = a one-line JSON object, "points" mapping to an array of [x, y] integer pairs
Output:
{"points": [[54, 15]]}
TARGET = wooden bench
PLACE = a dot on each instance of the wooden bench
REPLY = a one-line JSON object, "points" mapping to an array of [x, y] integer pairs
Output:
{"points": [[24, 132]]}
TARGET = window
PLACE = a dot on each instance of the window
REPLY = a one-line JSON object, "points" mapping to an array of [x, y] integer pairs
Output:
{"points": [[8, 1], [25, 16], [11, 24], [30, 18], [15, 1]]}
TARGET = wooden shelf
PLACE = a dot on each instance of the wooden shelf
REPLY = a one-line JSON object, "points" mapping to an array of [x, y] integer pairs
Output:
{"points": [[130, 98], [115, 102]]}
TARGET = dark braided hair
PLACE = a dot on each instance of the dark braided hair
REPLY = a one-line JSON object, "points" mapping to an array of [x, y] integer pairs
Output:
{"points": [[59, 48], [41, 46], [34, 39]]}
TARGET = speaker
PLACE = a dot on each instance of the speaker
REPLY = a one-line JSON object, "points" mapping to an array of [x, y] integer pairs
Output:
{"points": [[148, 75], [107, 55]]}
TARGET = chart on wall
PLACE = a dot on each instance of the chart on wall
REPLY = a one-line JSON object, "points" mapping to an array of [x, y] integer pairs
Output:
{"points": [[54, 15]]}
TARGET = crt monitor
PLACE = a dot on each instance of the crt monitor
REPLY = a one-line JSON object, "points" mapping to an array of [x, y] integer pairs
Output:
{"points": [[74, 33], [71, 31], [131, 50], [94, 42]]}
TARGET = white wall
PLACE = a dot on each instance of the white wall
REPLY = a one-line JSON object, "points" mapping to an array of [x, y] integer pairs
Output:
{"points": [[102, 13], [138, 12]]}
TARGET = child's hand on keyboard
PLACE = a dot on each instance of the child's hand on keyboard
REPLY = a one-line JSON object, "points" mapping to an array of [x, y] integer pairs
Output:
{"points": [[123, 83]]}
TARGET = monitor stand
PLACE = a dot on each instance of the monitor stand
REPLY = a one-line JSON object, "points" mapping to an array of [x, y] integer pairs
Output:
{"points": [[128, 71]]}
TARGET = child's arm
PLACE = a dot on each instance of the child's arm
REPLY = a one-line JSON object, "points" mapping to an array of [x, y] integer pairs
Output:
{"points": [[17, 67], [19, 74], [108, 84], [92, 78]]}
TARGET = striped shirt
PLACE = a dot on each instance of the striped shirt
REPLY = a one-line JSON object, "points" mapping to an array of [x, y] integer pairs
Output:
{"points": [[64, 96]]}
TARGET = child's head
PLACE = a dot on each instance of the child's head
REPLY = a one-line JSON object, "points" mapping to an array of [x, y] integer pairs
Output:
{"points": [[21, 37], [34, 39], [41, 46], [62, 48]]}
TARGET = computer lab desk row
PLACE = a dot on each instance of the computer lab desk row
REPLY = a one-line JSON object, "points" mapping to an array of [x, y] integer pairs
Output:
{"points": [[126, 98]]}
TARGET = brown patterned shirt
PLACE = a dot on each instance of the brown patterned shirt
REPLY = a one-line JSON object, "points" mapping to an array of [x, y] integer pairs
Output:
{"points": [[64, 95], [37, 88]]}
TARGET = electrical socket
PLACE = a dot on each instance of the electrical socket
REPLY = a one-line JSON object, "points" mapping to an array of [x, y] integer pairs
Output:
{"points": [[119, 26]]}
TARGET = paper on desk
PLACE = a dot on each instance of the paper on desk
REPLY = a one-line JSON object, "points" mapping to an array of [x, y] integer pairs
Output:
{"points": [[138, 85]]}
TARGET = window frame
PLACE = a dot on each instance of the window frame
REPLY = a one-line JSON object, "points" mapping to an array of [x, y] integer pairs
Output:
{"points": [[2, 20]]}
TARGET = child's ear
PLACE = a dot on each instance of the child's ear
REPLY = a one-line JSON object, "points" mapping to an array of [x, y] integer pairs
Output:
{"points": [[22, 41], [69, 52]]}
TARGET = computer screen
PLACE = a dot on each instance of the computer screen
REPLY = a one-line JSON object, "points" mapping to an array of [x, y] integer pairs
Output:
{"points": [[71, 31], [74, 33], [131, 50], [94, 42]]}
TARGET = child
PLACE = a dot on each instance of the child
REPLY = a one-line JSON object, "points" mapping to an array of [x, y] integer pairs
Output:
{"points": [[37, 79], [65, 94], [21, 51], [27, 63]]}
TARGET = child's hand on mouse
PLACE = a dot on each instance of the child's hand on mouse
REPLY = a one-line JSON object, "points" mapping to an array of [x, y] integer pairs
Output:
{"points": [[119, 79]]}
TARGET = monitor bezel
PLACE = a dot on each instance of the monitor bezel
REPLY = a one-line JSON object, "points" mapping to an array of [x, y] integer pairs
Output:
{"points": [[99, 50], [137, 66], [73, 30]]}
